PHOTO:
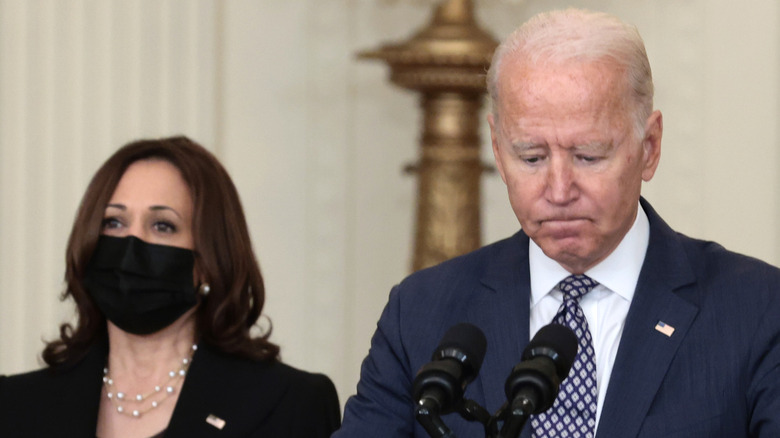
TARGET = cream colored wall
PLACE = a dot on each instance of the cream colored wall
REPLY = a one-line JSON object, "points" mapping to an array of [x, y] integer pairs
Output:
{"points": [[316, 140]]}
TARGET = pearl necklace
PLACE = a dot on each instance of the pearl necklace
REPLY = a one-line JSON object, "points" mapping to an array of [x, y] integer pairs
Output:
{"points": [[166, 389]]}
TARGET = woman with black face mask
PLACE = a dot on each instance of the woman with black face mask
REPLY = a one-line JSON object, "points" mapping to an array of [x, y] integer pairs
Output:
{"points": [[167, 289]]}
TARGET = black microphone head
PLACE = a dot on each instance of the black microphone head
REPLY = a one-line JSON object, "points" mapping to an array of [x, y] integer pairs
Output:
{"points": [[557, 342], [546, 361], [456, 361], [465, 343]]}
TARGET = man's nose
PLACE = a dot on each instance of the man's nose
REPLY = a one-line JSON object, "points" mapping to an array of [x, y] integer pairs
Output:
{"points": [[561, 184]]}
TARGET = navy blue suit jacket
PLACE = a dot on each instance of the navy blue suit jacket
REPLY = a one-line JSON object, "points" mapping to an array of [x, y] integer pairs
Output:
{"points": [[717, 375]]}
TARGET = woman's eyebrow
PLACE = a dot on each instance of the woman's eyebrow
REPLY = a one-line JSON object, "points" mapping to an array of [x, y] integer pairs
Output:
{"points": [[164, 207]]}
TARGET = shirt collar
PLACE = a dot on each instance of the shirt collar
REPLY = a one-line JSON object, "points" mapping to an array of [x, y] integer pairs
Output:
{"points": [[619, 272]]}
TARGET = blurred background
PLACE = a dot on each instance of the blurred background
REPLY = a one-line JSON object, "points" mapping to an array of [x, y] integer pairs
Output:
{"points": [[316, 141]]}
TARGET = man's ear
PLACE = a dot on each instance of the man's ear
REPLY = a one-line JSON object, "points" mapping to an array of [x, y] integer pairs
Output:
{"points": [[651, 145], [494, 141]]}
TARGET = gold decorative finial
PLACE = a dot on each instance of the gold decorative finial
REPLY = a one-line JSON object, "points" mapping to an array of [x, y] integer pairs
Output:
{"points": [[446, 63]]}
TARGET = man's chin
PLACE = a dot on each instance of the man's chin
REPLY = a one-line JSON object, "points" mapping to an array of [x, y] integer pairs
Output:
{"points": [[569, 252]]}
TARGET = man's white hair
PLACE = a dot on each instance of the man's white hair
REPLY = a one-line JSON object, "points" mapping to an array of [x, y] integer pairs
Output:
{"points": [[580, 35]]}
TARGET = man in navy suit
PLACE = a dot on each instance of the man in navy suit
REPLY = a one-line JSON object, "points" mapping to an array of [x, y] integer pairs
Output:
{"points": [[686, 334]]}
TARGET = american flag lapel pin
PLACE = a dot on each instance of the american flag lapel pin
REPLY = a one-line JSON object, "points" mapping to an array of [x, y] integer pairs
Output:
{"points": [[215, 421], [664, 328]]}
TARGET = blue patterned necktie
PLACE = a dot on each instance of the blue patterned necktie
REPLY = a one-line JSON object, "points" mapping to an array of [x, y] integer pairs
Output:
{"points": [[573, 415]]}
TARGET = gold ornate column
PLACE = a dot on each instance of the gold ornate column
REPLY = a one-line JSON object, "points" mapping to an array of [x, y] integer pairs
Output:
{"points": [[446, 63]]}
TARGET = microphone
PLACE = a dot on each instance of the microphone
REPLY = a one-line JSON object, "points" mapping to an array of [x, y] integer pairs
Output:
{"points": [[439, 385], [533, 385]]}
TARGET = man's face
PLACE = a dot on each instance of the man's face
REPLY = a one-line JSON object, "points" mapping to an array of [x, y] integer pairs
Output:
{"points": [[566, 147]]}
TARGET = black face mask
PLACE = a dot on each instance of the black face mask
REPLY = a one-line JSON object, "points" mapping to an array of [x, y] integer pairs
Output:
{"points": [[140, 287]]}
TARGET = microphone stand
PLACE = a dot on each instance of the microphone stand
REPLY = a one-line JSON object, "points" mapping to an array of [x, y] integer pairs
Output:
{"points": [[514, 418], [471, 411], [427, 414], [531, 387]]}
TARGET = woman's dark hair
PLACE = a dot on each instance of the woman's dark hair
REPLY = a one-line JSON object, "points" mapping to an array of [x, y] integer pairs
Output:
{"points": [[223, 254]]}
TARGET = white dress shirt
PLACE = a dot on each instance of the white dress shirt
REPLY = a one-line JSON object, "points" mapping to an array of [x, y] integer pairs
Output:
{"points": [[605, 307]]}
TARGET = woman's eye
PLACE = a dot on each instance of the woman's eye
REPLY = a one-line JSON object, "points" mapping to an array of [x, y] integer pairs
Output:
{"points": [[164, 227], [111, 223]]}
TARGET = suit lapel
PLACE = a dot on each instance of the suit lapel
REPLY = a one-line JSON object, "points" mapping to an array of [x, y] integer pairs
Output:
{"points": [[198, 400], [505, 317], [76, 393], [645, 353], [224, 396]]}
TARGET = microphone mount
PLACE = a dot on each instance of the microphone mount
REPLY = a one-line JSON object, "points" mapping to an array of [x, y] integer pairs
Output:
{"points": [[531, 387]]}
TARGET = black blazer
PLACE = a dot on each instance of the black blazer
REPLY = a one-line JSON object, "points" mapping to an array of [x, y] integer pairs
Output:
{"points": [[255, 399]]}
